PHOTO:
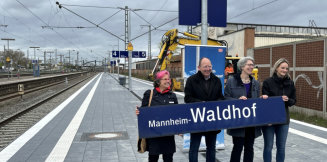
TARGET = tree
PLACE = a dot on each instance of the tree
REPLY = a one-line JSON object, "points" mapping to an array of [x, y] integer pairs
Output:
{"points": [[17, 57]]}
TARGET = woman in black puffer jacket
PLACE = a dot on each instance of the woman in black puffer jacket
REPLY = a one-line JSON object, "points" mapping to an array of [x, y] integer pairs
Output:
{"points": [[162, 95], [279, 84]]}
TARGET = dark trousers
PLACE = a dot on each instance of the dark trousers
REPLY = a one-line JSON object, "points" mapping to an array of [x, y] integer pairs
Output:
{"points": [[210, 139], [165, 157], [246, 142]]}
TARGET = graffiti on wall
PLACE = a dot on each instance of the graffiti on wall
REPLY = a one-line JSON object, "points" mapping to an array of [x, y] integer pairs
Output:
{"points": [[308, 80]]}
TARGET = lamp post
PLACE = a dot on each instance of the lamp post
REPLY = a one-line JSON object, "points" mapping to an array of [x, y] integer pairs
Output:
{"points": [[149, 41], [34, 50], [69, 59]]}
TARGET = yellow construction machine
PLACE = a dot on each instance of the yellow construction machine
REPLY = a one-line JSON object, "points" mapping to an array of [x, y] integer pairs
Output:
{"points": [[169, 43]]}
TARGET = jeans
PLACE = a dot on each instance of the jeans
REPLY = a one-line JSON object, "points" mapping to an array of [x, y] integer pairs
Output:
{"points": [[210, 139], [281, 132], [165, 157], [246, 142]]}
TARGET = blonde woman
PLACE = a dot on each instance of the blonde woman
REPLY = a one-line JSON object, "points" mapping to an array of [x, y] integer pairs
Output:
{"points": [[279, 84]]}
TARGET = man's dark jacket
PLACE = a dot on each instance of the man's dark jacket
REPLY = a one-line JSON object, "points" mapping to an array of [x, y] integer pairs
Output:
{"points": [[197, 89]]}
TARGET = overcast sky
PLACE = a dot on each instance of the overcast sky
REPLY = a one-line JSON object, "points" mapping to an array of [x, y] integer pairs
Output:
{"points": [[25, 18]]}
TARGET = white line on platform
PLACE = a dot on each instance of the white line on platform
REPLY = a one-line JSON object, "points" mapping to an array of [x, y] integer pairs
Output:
{"points": [[309, 136], [11, 149], [61, 149], [309, 125]]}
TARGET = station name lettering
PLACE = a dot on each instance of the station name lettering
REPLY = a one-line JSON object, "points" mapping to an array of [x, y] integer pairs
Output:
{"points": [[231, 112], [204, 115], [170, 122]]}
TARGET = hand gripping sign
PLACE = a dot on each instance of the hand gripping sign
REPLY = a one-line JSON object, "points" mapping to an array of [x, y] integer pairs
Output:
{"points": [[208, 116]]}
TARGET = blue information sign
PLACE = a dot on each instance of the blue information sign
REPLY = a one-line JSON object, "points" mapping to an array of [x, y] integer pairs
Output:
{"points": [[112, 63], [190, 12], [142, 54], [209, 116], [135, 54], [115, 53], [124, 54], [34, 61]]}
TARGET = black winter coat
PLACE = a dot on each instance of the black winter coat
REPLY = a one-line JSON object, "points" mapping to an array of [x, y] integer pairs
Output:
{"points": [[275, 86], [234, 90], [196, 91], [160, 145]]}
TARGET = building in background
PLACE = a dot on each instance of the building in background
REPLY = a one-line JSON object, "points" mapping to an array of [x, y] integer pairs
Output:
{"points": [[242, 37]]}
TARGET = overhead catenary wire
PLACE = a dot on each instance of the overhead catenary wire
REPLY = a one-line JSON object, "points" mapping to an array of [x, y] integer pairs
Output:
{"points": [[83, 51], [45, 22], [109, 17], [73, 27], [17, 36], [155, 15], [252, 9], [142, 18], [15, 18], [120, 8], [116, 8], [60, 6], [155, 28]]}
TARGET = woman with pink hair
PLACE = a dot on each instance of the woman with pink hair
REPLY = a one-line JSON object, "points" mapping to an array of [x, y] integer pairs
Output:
{"points": [[162, 95]]}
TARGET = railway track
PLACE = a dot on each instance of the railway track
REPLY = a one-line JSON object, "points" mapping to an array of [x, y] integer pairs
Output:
{"points": [[14, 125]]}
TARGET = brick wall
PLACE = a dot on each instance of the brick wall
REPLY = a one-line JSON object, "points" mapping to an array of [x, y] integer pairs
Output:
{"points": [[282, 52], [261, 56], [306, 95], [264, 73], [310, 54]]}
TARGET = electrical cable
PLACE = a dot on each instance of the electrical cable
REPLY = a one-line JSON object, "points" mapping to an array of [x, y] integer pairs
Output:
{"points": [[109, 17], [142, 18], [155, 28], [60, 6], [26, 27], [252, 9], [115, 8], [45, 23], [158, 11]]}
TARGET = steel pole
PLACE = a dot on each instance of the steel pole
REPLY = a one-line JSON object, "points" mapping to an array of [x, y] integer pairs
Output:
{"points": [[204, 22], [129, 54]]}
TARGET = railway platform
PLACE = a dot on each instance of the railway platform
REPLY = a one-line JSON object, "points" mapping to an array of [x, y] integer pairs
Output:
{"points": [[4, 81], [98, 123]]}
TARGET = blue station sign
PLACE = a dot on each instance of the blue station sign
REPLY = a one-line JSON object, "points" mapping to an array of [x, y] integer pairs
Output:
{"points": [[124, 54], [189, 12], [209, 116]]}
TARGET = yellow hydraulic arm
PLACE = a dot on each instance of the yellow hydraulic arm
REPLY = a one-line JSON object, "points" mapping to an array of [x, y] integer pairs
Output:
{"points": [[170, 42]]}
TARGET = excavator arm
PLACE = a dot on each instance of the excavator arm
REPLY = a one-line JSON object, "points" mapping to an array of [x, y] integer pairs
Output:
{"points": [[170, 41]]}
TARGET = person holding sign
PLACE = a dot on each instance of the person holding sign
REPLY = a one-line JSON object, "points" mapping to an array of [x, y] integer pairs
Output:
{"points": [[200, 87], [279, 84], [161, 95], [243, 86]]}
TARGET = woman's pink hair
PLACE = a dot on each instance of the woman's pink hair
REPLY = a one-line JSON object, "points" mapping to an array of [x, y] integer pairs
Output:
{"points": [[161, 74]]}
